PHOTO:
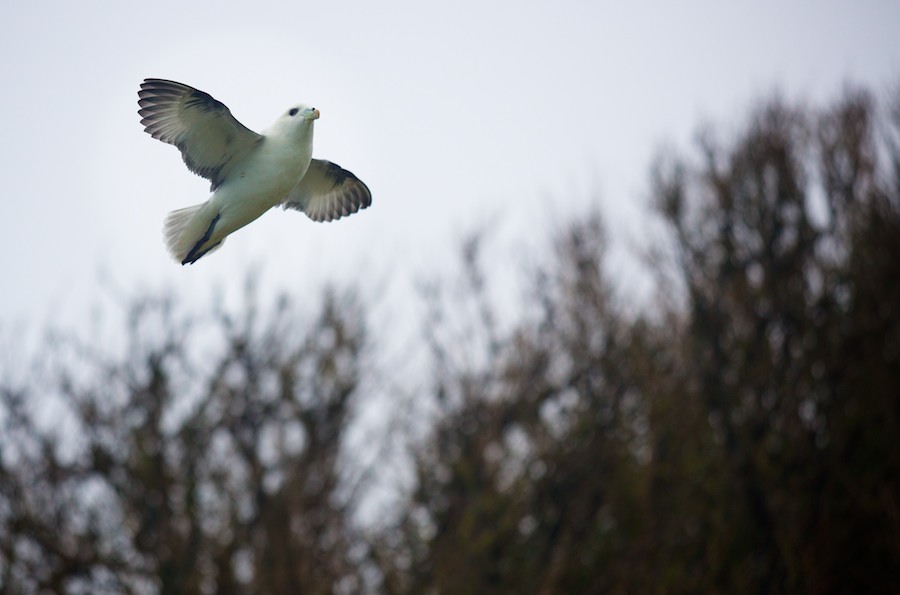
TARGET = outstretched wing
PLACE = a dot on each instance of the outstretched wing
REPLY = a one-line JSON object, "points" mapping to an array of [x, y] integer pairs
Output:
{"points": [[328, 192], [202, 128]]}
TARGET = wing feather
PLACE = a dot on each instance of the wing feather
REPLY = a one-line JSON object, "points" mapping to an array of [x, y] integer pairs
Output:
{"points": [[202, 127], [328, 192]]}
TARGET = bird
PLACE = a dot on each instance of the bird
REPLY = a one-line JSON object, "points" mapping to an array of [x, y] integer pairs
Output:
{"points": [[249, 172]]}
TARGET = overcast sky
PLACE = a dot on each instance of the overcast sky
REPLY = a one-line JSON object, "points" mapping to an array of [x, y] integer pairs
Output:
{"points": [[458, 115]]}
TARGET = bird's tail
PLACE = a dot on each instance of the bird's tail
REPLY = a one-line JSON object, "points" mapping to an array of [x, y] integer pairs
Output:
{"points": [[187, 233]]}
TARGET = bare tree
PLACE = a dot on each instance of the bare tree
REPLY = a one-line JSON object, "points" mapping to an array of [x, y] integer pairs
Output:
{"points": [[189, 474], [736, 439]]}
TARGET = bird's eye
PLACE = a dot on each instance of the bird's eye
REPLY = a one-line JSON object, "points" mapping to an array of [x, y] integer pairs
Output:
{"points": [[293, 111]]}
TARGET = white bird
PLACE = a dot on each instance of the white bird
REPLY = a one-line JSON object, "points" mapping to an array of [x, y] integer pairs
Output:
{"points": [[250, 172]]}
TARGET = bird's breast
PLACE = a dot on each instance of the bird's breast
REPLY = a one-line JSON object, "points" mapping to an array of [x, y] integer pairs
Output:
{"points": [[269, 174]]}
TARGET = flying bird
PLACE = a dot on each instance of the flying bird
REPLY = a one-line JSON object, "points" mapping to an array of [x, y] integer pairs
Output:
{"points": [[249, 172]]}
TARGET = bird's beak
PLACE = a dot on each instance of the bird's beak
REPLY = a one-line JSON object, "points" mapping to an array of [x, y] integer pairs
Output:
{"points": [[316, 114]]}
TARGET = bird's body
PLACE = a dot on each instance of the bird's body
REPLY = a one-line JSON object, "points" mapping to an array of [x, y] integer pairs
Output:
{"points": [[250, 172], [258, 183]]}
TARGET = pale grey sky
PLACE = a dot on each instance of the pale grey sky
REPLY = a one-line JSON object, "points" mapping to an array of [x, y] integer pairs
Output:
{"points": [[470, 112]]}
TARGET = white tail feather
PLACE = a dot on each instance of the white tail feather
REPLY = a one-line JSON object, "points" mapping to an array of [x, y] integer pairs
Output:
{"points": [[183, 229]]}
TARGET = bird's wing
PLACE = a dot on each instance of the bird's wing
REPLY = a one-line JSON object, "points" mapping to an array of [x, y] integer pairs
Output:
{"points": [[328, 192], [202, 128]]}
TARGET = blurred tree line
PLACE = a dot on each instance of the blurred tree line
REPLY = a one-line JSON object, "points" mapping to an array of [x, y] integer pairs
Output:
{"points": [[736, 435]]}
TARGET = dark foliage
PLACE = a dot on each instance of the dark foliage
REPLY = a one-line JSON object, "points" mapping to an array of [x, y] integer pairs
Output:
{"points": [[737, 439], [187, 475]]}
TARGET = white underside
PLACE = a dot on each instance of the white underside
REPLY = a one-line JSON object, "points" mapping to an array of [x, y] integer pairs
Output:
{"points": [[251, 189]]}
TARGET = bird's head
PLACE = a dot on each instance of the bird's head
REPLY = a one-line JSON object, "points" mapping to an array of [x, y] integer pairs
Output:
{"points": [[302, 112], [296, 119]]}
